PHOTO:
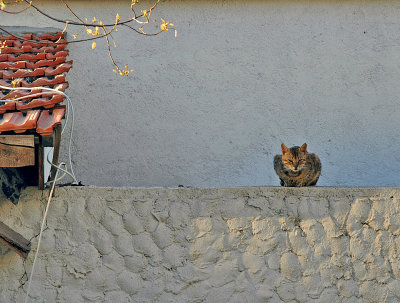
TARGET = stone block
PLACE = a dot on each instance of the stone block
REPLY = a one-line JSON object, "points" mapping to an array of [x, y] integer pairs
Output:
{"points": [[132, 223], [175, 256], [92, 296], [117, 296], [290, 266], [286, 291], [119, 205], [253, 263], [114, 261], [225, 271], [347, 288], [339, 208], [136, 263], [373, 292], [299, 243], [101, 239], [162, 236], [394, 288], [123, 244], [129, 282], [101, 279], [265, 228], [329, 295], [313, 286], [70, 294], [180, 215], [96, 206], [112, 221], [143, 243]]}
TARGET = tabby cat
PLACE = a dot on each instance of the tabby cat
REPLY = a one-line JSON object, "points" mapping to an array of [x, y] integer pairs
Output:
{"points": [[297, 167]]}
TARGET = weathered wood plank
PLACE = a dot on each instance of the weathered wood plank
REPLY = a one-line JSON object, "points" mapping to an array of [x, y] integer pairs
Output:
{"points": [[17, 150], [40, 149], [56, 152], [16, 156], [19, 140], [14, 240]]}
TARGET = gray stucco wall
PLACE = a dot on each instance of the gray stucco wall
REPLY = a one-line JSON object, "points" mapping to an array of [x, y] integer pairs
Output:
{"points": [[211, 107], [255, 244]]}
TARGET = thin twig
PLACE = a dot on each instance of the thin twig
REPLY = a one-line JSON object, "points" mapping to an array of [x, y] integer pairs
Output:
{"points": [[20, 11], [88, 24]]}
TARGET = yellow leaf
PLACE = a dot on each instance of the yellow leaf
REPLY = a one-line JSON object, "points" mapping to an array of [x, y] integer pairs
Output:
{"points": [[94, 45], [117, 18], [165, 25], [89, 31]]}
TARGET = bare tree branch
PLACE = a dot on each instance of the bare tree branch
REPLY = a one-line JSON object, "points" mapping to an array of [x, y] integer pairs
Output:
{"points": [[92, 29]]}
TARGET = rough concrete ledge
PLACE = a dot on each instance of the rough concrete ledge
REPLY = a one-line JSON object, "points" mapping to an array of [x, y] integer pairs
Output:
{"points": [[29, 30], [251, 244]]}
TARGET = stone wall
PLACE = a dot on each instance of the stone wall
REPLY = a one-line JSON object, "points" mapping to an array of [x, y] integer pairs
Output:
{"points": [[255, 244]]}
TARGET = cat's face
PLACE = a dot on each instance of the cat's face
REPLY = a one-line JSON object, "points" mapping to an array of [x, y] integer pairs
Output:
{"points": [[294, 158]]}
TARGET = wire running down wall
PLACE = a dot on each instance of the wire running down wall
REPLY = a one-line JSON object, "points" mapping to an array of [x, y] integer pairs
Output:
{"points": [[252, 244]]}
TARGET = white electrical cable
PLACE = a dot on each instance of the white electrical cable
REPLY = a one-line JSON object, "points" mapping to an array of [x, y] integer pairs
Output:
{"points": [[58, 167], [70, 110], [41, 233]]}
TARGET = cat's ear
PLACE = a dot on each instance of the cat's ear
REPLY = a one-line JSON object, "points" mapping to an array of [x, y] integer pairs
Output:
{"points": [[284, 149], [303, 148]]}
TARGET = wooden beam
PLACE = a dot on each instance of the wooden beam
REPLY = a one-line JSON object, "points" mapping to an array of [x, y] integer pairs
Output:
{"points": [[14, 240], [40, 167], [17, 150], [19, 140], [56, 152]]}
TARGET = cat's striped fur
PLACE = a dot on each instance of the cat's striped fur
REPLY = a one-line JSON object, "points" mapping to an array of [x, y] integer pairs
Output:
{"points": [[296, 167]]}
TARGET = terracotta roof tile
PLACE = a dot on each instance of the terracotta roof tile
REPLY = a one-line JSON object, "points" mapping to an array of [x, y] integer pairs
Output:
{"points": [[49, 119], [6, 106], [19, 122], [40, 102], [45, 62], [35, 60], [62, 68], [12, 65], [25, 57]]}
